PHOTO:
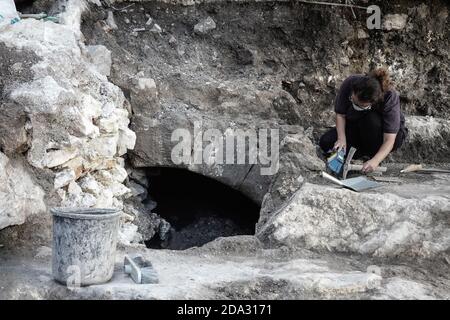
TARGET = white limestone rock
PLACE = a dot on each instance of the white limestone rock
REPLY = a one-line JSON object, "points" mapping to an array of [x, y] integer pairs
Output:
{"points": [[143, 84], [395, 22], [205, 26], [63, 178], [82, 200], [119, 190], [54, 158], [402, 289], [385, 223], [118, 173], [90, 185], [110, 21], [129, 234], [156, 28], [74, 188], [137, 190], [20, 196], [127, 141], [43, 95], [104, 177], [106, 199], [100, 57], [76, 123], [108, 125], [427, 129]]}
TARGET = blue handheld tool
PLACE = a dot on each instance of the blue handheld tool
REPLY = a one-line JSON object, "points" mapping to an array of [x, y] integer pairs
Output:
{"points": [[336, 161]]}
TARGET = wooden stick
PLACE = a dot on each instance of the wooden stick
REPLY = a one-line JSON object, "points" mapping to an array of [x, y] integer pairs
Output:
{"points": [[432, 170], [121, 9], [351, 3], [411, 168], [358, 167], [420, 169], [37, 16], [333, 4]]}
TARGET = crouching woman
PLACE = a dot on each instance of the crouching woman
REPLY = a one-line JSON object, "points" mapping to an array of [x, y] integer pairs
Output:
{"points": [[368, 117]]}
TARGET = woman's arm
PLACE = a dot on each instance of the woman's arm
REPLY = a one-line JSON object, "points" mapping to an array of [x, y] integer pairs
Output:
{"points": [[341, 105], [341, 142], [391, 125], [385, 149]]}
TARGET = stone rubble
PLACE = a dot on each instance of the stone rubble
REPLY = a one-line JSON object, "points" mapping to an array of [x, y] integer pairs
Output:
{"points": [[100, 57], [205, 26], [78, 119], [395, 22], [110, 21], [63, 178], [20, 195]]}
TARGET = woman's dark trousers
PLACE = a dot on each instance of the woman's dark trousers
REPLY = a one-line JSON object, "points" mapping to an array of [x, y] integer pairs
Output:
{"points": [[365, 134]]}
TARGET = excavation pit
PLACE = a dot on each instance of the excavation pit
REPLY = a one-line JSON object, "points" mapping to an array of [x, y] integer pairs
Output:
{"points": [[199, 209]]}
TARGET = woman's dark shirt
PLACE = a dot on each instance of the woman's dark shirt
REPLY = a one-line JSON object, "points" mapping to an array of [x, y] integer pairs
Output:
{"points": [[389, 108]]}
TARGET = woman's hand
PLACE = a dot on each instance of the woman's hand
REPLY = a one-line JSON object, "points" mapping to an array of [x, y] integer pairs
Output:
{"points": [[370, 166], [340, 144], [386, 147]]}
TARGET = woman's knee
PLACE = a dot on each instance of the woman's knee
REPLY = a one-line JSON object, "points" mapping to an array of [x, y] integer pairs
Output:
{"points": [[328, 139]]}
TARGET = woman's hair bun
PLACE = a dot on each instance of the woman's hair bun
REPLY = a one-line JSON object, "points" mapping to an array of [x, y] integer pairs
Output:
{"points": [[382, 75]]}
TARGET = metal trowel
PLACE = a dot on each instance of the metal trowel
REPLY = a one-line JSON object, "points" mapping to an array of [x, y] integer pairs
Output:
{"points": [[140, 269], [356, 184]]}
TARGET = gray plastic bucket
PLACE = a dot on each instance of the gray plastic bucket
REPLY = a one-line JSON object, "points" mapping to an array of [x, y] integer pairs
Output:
{"points": [[84, 245]]}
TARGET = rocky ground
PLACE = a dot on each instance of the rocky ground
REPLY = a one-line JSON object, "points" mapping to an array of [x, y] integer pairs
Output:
{"points": [[236, 268], [399, 251], [89, 104]]}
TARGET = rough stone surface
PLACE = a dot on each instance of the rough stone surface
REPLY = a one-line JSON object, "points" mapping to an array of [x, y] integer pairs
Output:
{"points": [[231, 268], [428, 141], [100, 56], [205, 26], [395, 21], [397, 288], [63, 178], [20, 196], [128, 234], [67, 117], [14, 130], [149, 224], [407, 220]]}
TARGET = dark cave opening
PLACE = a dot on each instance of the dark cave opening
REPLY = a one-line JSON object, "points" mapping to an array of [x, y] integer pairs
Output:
{"points": [[49, 7], [199, 209], [24, 6]]}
